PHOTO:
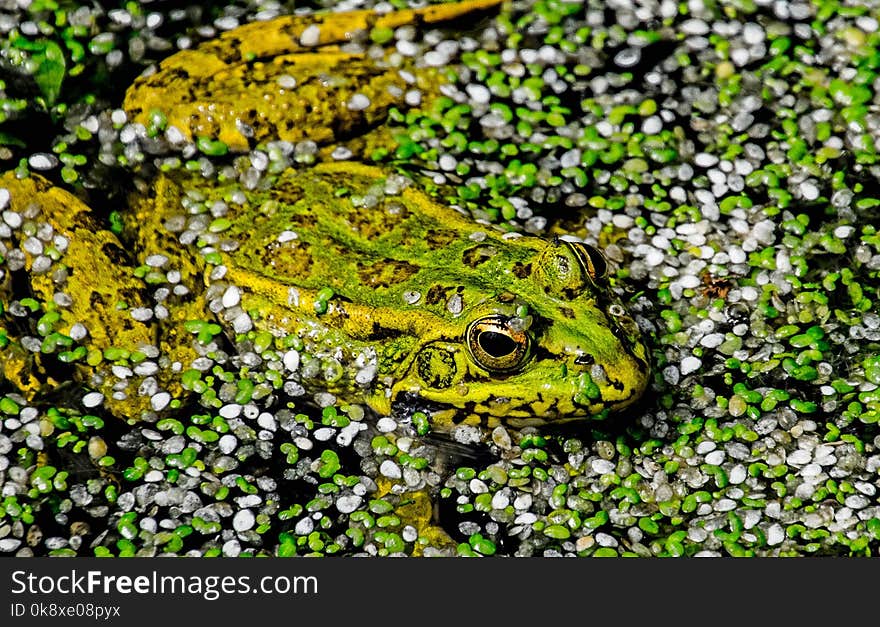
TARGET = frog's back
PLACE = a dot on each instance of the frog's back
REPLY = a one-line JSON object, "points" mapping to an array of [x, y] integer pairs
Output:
{"points": [[365, 234]]}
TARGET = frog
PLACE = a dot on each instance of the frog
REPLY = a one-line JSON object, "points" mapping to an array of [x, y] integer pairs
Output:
{"points": [[360, 286]]}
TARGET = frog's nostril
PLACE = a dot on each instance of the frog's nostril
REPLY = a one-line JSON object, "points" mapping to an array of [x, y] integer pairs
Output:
{"points": [[584, 359]]}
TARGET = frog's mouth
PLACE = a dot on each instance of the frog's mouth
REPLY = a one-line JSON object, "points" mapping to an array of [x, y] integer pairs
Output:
{"points": [[444, 417], [450, 389]]}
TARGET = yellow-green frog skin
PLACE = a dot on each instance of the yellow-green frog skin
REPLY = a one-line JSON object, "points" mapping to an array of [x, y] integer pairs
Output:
{"points": [[374, 292]]}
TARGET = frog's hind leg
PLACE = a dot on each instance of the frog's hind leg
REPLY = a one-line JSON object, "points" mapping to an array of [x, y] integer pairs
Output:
{"points": [[306, 33], [73, 310], [287, 79]]}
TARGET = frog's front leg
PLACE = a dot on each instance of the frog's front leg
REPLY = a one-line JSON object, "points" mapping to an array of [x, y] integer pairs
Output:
{"points": [[73, 310]]}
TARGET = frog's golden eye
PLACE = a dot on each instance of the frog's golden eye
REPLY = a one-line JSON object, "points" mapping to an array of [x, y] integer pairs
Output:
{"points": [[591, 259], [495, 346]]}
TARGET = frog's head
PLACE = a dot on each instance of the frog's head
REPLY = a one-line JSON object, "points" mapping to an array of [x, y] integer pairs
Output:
{"points": [[549, 344]]}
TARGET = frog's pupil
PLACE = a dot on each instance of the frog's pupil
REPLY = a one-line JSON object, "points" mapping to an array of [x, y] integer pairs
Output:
{"points": [[496, 344]]}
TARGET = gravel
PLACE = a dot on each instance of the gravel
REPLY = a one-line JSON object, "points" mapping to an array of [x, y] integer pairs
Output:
{"points": [[726, 165]]}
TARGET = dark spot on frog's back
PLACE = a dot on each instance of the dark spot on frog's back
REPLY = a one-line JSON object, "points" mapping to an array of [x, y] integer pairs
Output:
{"points": [[286, 190], [41, 185], [175, 74], [474, 256], [96, 301], [382, 220], [378, 333], [439, 238], [522, 270], [114, 253], [438, 294], [385, 272], [287, 260]]}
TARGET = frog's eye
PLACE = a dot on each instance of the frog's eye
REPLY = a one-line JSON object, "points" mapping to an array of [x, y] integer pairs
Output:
{"points": [[495, 346], [591, 260]]}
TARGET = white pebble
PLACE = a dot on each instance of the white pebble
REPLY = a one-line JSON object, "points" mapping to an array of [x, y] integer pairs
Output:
{"points": [[694, 27], [737, 474], [304, 526], [243, 520], [348, 503], [447, 162], [231, 410], [671, 375], [809, 190], [413, 98], [604, 539], [749, 293], [478, 486], [652, 125], [628, 57], [386, 425], [705, 447], [141, 314], [32, 245], [856, 501], [231, 548], [865, 488], [712, 340], [799, 457], [389, 469], [154, 476], [435, 58], [231, 297], [602, 466], [690, 281], [690, 364], [705, 160], [739, 56], [811, 470], [286, 81], [775, 534], [753, 34], [42, 161], [737, 255], [160, 401], [654, 257], [227, 443], [291, 360], [242, 323], [407, 48], [322, 434], [93, 399], [324, 399], [267, 421], [715, 458], [500, 500], [310, 36], [156, 261], [478, 93], [867, 23], [526, 518], [358, 102], [286, 236], [146, 368], [11, 218], [725, 505], [8, 545]]}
